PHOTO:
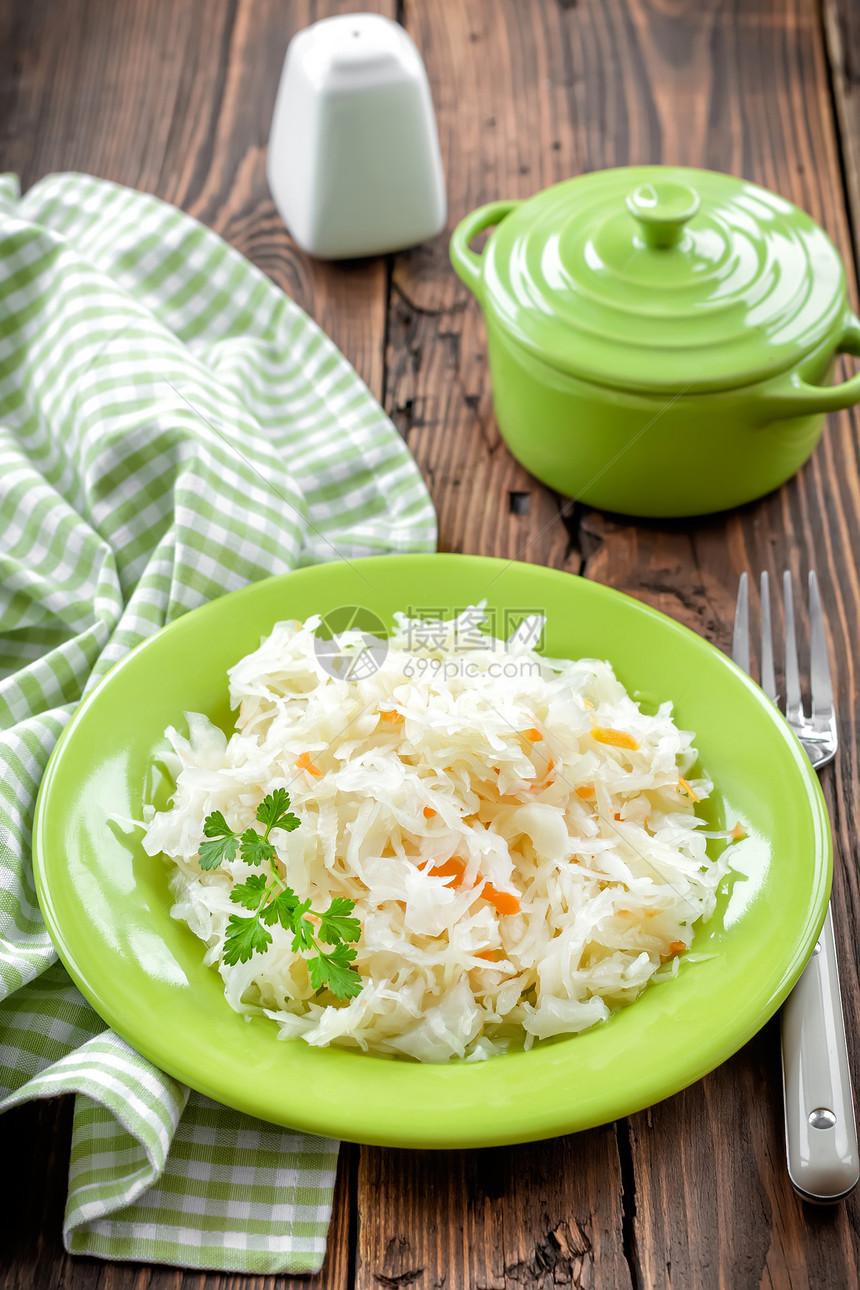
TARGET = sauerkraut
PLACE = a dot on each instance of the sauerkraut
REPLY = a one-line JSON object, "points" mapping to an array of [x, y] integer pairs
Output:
{"points": [[518, 836]]}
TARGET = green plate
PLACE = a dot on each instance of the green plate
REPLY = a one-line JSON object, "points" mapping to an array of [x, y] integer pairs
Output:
{"points": [[106, 903]]}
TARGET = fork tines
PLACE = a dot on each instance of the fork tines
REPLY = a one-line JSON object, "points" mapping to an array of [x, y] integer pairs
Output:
{"points": [[820, 681]]}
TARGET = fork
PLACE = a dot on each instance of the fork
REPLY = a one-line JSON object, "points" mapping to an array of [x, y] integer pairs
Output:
{"points": [[820, 1128]]}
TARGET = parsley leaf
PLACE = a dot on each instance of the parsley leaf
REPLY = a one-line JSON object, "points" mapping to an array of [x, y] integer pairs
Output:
{"points": [[245, 937], [251, 893], [304, 935], [272, 903], [274, 811], [215, 826], [280, 908], [335, 923], [221, 842], [335, 971], [256, 849]]}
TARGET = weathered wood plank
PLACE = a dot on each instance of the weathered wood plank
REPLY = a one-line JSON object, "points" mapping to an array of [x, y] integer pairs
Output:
{"points": [[498, 77], [554, 89], [550, 1213], [176, 99], [533, 1216], [768, 68], [33, 1196], [842, 31]]}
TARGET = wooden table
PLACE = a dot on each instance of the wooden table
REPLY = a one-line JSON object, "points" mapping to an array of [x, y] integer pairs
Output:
{"points": [[176, 97]]}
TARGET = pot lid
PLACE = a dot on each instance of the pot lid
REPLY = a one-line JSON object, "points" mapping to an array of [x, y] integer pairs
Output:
{"points": [[659, 278]]}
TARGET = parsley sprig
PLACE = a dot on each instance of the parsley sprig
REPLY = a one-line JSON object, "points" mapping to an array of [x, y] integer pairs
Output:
{"points": [[271, 901]]}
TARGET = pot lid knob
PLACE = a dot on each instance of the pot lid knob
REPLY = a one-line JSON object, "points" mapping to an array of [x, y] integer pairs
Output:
{"points": [[662, 209]]}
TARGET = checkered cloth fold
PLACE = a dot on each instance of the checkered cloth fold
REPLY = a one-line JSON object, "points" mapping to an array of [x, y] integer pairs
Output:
{"points": [[171, 428]]}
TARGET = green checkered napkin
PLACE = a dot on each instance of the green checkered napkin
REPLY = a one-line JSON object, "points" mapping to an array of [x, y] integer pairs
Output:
{"points": [[171, 428]]}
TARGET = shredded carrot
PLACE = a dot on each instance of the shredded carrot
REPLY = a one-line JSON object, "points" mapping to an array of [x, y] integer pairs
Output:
{"points": [[304, 763], [586, 792], [429, 812], [688, 789], [454, 868], [738, 832], [489, 955], [548, 783], [533, 735], [677, 947], [618, 815], [504, 901], [615, 738], [391, 715]]}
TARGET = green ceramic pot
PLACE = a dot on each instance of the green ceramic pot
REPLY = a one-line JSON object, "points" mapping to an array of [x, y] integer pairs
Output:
{"points": [[661, 340]]}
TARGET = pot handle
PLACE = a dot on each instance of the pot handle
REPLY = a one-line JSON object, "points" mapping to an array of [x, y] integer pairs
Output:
{"points": [[468, 263], [790, 395]]}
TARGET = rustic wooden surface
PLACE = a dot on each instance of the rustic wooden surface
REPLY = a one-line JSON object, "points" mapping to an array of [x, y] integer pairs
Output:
{"points": [[175, 97]]}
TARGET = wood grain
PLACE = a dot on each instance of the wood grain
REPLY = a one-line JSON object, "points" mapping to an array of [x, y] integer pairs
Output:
{"points": [[842, 31], [770, 73], [516, 1216], [558, 89], [506, 62], [175, 97]]}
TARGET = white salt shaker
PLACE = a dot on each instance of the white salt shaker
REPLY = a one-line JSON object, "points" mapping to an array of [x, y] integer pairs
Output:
{"points": [[354, 163]]}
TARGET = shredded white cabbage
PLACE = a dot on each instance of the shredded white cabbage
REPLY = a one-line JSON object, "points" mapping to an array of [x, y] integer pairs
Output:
{"points": [[513, 830]]}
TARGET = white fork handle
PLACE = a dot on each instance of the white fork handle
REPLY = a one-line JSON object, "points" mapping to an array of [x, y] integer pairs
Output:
{"points": [[820, 1128]]}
